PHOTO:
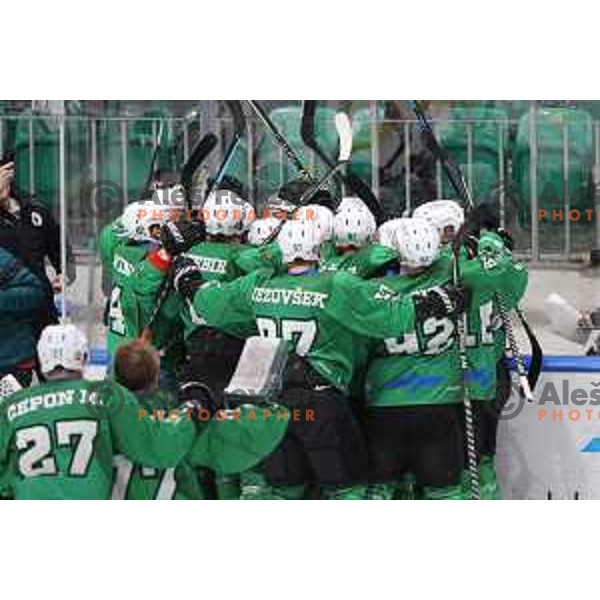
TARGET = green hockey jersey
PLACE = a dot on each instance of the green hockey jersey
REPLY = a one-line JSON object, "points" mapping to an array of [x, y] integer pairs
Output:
{"points": [[297, 309], [121, 258], [58, 440], [366, 262], [267, 256], [422, 366], [217, 260]]}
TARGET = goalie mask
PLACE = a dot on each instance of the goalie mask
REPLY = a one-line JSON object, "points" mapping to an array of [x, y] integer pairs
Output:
{"points": [[417, 242], [300, 239], [261, 229], [141, 221], [225, 214], [353, 227], [62, 346], [445, 215]]}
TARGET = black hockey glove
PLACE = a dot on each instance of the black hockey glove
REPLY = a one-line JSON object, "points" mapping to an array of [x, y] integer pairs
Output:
{"points": [[481, 217], [292, 191], [196, 396], [179, 236], [507, 238], [187, 276], [439, 302]]}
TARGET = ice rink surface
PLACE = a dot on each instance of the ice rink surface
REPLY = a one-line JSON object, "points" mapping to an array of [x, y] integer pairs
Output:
{"points": [[579, 286]]}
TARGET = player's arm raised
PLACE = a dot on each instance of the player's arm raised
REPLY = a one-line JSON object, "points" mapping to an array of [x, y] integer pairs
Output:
{"points": [[220, 305], [493, 269], [372, 309]]}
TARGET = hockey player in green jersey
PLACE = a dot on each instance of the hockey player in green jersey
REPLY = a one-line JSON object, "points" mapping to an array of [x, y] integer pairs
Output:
{"points": [[58, 440], [414, 419], [225, 216], [211, 355], [213, 243], [324, 447], [446, 216], [227, 444], [353, 228], [124, 245], [488, 388], [137, 367], [491, 391]]}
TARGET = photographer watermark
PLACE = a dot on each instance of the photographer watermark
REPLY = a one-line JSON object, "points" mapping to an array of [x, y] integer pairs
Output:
{"points": [[556, 401], [251, 413]]}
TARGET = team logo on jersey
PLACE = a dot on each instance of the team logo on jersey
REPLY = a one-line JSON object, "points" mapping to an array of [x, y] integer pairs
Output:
{"points": [[36, 219]]}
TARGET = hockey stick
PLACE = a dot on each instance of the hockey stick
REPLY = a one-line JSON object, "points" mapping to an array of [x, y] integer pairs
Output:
{"points": [[343, 126], [451, 169], [537, 355], [199, 154], [461, 320], [153, 161], [303, 171], [344, 130], [356, 184], [460, 186], [239, 127]]}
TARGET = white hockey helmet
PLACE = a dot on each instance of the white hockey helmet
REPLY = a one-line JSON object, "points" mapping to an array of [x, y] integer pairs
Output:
{"points": [[276, 203], [62, 346], [417, 242], [139, 218], [169, 197], [321, 217], [353, 226], [248, 215], [386, 234], [441, 214], [261, 229], [225, 213], [351, 203], [300, 238]]}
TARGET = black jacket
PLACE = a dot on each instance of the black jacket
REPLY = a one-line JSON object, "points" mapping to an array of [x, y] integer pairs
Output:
{"points": [[33, 235]]}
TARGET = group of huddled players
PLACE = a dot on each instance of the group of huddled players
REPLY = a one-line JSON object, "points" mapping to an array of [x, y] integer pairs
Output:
{"points": [[371, 401]]}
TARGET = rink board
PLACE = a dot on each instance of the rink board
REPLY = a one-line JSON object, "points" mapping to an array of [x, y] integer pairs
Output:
{"points": [[554, 454]]}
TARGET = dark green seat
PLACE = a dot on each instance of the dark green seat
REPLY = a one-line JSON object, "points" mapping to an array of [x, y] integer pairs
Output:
{"points": [[550, 172], [274, 168], [489, 135], [139, 148], [45, 143]]}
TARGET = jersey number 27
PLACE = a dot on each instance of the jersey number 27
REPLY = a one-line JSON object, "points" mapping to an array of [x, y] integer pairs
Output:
{"points": [[35, 444]]}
